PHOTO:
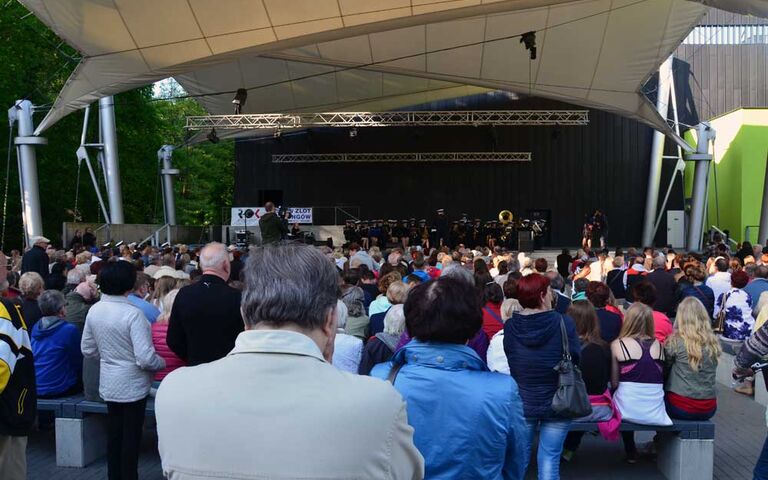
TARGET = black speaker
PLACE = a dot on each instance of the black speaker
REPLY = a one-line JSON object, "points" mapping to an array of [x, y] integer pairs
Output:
{"points": [[274, 196]]}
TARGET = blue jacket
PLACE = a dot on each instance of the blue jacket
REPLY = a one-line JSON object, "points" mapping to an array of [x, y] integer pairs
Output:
{"points": [[56, 350], [150, 311], [533, 344], [468, 422]]}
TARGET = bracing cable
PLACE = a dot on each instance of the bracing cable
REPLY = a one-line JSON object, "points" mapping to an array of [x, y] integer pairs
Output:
{"points": [[7, 181]]}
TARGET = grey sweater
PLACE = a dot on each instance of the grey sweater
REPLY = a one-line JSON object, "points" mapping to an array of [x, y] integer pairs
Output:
{"points": [[119, 335]]}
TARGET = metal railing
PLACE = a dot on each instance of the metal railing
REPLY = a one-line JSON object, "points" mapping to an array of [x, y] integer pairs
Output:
{"points": [[154, 237], [725, 235]]}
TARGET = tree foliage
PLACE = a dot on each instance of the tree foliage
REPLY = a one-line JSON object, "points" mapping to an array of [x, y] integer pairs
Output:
{"points": [[36, 64]]}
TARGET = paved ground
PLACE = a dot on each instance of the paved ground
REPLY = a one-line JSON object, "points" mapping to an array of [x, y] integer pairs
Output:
{"points": [[740, 432]]}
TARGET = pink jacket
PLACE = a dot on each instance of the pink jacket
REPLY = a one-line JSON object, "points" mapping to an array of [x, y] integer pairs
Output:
{"points": [[172, 362]]}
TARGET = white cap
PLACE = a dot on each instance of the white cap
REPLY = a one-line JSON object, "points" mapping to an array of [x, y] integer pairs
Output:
{"points": [[38, 239]]}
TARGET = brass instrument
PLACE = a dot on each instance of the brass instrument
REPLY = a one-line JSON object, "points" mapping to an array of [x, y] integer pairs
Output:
{"points": [[505, 217]]}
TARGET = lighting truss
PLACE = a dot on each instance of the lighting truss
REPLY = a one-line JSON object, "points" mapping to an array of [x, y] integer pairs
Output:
{"points": [[403, 157], [388, 119]]}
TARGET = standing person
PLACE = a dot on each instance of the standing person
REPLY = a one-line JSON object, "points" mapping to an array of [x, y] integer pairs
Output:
{"points": [[637, 374], [206, 319], [440, 229], [691, 359], [76, 240], [563, 262], [534, 346], [437, 367], [272, 226], [18, 397], [36, 259], [89, 239], [56, 349], [119, 335], [281, 363], [159, 335]]}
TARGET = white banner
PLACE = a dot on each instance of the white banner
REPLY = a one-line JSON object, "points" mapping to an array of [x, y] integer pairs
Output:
{"points": [[242, 216]]}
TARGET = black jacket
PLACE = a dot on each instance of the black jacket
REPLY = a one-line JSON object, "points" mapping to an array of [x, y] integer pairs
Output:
{"points": [[665, 291], [18, 398], [205, 321], [35, 260], [272, 228]]}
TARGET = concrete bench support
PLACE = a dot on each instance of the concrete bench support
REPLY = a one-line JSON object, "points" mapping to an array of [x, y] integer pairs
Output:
{"points": [[80, 441], [685, 458]]}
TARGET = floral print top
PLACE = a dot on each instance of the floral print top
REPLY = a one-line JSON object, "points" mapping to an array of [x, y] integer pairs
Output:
{"points": [[738, 314]]}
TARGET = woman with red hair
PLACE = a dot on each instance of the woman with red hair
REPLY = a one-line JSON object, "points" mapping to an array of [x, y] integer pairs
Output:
{"points": [[533, 344]]}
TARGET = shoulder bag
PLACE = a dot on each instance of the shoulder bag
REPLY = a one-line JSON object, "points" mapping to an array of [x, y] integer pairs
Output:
{"points": [[720, 320], [571, 399]]}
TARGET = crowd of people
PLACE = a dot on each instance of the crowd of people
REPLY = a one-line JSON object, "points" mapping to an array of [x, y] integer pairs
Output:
{"points": [[370, 361]]}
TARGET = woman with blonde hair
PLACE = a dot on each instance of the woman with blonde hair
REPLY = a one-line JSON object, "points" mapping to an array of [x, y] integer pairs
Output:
{"points": [[159, 335], [31, 285], [637, 374], [691, 359], [163, 286]]}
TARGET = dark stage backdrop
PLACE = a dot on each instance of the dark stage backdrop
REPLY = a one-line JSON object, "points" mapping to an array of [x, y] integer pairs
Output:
{"points": [[574, 170]]}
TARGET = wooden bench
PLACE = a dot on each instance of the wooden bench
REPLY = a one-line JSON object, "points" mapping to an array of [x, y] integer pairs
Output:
{"points": [[81, 428], [685, 451]]}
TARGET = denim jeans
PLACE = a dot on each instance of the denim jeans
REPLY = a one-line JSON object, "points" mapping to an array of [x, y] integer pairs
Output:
{"points": [[761, 469], [551, 436]]}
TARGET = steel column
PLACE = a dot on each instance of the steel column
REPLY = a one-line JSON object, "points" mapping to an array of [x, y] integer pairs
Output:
{"points": [[165, 155], [27, 162], [657, 154], [111, 164], [700, 184], [763, 233]]}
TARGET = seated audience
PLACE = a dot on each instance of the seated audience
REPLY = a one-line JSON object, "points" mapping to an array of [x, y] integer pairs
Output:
{"points": [[338, 425], [397, 291], [31, 285], [382, 346], [159, 335], [694, 286], [347, 349], [492, 296], [79, 301], [691, 360], [534, 346], [437, 368], [119, 335], [738, 320], [719, 281], [381, 304], [614, 278], [140, 293], [637, 374], [599, 295], [595, 365], [56, 349], [357, 320], [665, 285], [644, 292], [557, 284]]}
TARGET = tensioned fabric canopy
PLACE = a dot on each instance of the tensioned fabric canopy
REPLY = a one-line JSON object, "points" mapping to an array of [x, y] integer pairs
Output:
{"points": [[332, 55]]}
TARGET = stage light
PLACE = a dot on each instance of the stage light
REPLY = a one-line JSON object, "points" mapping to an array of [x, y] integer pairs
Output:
{"points": [[529, 39], [353, 133], [212, 137], [239, 101]]}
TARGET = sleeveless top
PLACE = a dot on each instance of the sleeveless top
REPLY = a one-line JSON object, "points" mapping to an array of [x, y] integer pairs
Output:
{"points": [[646, 369]]}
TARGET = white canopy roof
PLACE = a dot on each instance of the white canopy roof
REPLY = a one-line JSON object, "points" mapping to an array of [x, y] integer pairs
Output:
{"points": [[325, 55]]}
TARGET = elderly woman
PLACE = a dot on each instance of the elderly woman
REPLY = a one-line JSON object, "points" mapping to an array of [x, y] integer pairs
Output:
{"points": [[74, 278], [347, 350], [31, 285], [438, 368], [56, 349], [382, 346], [357, 320], [119, 335], [396, 294], [737, 305]]}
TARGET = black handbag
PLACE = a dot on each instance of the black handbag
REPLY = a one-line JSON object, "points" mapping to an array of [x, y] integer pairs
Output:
{"points": [[571, 399]]}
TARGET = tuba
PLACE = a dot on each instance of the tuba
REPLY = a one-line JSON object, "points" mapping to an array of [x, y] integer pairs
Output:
{"points": [[505, 217]]}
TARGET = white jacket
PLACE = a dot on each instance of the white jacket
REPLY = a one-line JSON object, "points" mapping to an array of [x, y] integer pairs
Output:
{"points": [[274, 408], [119, 334]]}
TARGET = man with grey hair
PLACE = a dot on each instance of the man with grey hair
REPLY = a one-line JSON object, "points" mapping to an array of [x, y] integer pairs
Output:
{"points": [[665, 286], [206, 318], [275, 407], [75, 277], [56, 349]]}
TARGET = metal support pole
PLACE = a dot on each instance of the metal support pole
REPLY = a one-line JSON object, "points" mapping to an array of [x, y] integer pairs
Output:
{"points": [[27, 159], [657, 153], [82, 156], [111, 164], [165, 155], [763, 232], [700, 177]]}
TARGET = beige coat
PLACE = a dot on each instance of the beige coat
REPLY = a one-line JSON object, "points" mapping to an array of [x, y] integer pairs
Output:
{"points": [[273, 408]]}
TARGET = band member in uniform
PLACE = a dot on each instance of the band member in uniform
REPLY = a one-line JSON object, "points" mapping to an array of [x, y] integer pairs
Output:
{"points": [[424, 234], [477, 234], [350, 232], [374, 232], [400, 232], [384, 234], [362, 234], [441, 229], [414, 238]]}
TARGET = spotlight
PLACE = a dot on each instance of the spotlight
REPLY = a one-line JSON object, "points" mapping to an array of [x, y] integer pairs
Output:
{"points": [[529, 39], [212, 137], [353, 133], [240, 97]]}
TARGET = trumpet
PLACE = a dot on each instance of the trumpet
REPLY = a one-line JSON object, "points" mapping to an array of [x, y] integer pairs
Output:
{"points": [[505, 217]]}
